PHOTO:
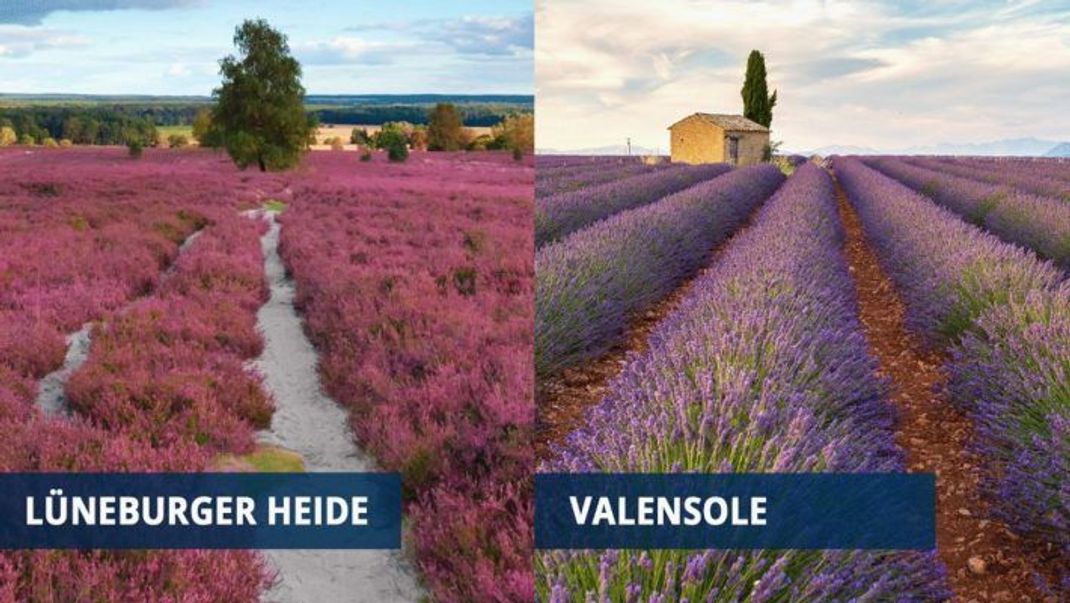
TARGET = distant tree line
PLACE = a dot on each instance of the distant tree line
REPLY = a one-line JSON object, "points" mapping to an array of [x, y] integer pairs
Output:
{"points": [[478, 115], [446, 131], [118, 124], [106, 126]]}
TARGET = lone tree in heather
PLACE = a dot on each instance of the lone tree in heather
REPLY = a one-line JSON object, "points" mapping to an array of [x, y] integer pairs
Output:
{"points": [[445, 129], [757, 102], [260, 107]]}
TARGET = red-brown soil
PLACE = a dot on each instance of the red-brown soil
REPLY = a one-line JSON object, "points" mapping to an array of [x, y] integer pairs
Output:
{"points": [[985, 560]]}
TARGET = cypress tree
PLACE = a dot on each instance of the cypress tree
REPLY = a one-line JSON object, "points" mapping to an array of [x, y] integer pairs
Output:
{"points": [[757, 102]]}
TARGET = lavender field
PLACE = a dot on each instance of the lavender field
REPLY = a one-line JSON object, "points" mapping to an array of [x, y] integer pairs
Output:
{"points": [[888, 314]]}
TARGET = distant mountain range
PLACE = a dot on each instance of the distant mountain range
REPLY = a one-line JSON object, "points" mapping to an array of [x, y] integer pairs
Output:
{"points": [[1033, 147], [1061, 150]]}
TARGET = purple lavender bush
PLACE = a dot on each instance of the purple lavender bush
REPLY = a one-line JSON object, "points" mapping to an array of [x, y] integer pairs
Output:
{"points": [[763, 368], [552, 181], [1006, 317], [588, 284], [1035, 177], [559, 161], [559, 215], [947, 271], [1038, 223], [1012, 373]]}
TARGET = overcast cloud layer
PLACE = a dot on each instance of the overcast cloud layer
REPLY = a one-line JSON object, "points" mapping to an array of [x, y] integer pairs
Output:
{"points": [[345, 46], [885, 75]]}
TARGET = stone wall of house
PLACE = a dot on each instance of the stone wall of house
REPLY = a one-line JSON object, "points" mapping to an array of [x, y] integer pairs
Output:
{"points": [[695, 140], [751, 146]]}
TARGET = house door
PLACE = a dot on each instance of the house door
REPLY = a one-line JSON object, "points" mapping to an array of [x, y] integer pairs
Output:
{"points": [[733, 150]]}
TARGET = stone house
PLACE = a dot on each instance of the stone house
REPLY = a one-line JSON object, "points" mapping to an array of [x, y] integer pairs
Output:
{"points": [[718, 138]]}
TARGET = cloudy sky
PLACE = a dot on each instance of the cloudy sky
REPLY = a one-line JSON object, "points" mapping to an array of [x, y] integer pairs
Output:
{"points": [[881, 74], [346, 46]]}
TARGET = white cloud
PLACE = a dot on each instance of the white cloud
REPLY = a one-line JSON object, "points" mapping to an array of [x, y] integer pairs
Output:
{"points": [[179, 70], [847, 72], [349, 50], [17, 41], [486, 35], [489, 35]]}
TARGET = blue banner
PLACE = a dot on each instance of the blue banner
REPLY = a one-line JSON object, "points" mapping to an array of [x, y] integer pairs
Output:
{"points": [[200, 510], [735, 511]]}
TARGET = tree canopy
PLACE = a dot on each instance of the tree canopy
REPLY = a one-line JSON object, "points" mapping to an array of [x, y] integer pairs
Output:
{"points": [[757, 102], [445, 129], [516, 133], [259, 112]]}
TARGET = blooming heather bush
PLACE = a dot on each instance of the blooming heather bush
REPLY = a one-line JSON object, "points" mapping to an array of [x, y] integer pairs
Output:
{"points": [[590, 283], [1008, 312], [112, 226], [416, 289], [763, 368], [552, 181], [171, 367], [1012, 374], [948, 271], [41, 444], [1039, 223], [560, 215]]}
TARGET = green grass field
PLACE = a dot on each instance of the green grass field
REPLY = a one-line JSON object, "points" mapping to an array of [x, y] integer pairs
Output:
{"points": [[166, 131]]}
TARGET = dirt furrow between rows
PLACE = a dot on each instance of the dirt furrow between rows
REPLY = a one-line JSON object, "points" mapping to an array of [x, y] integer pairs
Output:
{"points": [[985, 560]]}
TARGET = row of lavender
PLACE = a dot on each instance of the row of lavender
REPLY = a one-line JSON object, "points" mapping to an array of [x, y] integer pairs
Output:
{"points": [[1038, 223], [559, 215], [1040, 177], [590, 283], [558, 161], [763, 368], [551, 181], [1051, 167], [1004, 315]]}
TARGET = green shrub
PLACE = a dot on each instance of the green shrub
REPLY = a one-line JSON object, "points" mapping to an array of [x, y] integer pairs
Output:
{"points": [[360, 136], [396, 144], [136, 148]]}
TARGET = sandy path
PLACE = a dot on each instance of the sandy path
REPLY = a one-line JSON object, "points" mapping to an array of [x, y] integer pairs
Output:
{"points": [[306, 421], [52, 393], [985, 560], [52, 389]]}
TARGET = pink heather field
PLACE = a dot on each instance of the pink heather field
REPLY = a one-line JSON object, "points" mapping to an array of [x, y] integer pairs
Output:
{"points": [[414, 283]]}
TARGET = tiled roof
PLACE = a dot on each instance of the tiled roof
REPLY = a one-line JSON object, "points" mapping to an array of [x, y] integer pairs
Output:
{"points": [[731, 123]]}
